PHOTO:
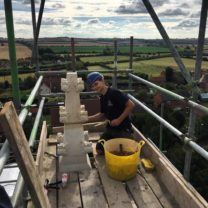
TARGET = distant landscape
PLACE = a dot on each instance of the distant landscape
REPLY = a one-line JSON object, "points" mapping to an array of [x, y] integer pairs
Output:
{"points": [[22, 51], [149, 56]]}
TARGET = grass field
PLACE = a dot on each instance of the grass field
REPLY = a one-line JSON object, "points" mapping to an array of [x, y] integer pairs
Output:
{"points": [[155, 66], [21, 51], [95, 68], [98, 59], [22, 76]]}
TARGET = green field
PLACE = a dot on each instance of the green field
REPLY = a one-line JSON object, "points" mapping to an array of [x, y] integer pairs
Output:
{"points": [[155, 66], [95, 68], [22, 76]]}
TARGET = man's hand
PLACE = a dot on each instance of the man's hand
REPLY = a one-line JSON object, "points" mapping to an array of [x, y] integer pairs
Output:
{"points": [[115, 122]]}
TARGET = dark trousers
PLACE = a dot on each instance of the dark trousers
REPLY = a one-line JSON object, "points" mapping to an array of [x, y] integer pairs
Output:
{"points": [[4, 199], [111, 133]]}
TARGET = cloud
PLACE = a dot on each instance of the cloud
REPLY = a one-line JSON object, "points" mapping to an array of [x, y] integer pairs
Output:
{"points": [[47, 21], [78, 25], [58, 6], [23, 22], [174, 12], [29, 1], [187, 24], [111, 22], [196, 14], [93, 21], [185, 5], [79, 8], [133, 8], [136, 7]]}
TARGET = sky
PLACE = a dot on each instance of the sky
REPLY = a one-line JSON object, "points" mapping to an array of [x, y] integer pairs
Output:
{"points": [[105, 18]]}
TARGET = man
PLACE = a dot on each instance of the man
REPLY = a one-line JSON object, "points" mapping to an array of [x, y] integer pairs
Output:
{"points": [[115, 107]]}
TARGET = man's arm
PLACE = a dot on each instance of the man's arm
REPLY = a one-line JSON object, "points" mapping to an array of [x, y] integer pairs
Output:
{"points": [[96, 117], [129, 107]]}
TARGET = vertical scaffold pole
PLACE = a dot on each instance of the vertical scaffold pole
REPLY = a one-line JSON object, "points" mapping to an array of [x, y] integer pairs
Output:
{"points": [[197, 75], [73, 61], [12, 53], [115, 64], [131, 61]]}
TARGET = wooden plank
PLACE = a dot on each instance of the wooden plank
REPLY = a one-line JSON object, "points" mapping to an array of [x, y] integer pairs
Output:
{"points": [[142, 194], [52, 141], [41, 150], [69, 196], [163, 195], [91, 190], [94, 137], [92, 127], [114, 190], [175, 183], [49, 163], [17, 139], [184, 195]]}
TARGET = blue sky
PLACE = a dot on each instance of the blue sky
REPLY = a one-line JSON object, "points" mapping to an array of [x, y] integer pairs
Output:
{"points": [[105, 18]]}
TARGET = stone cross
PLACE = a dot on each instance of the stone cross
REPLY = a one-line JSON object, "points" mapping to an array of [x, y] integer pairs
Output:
{"points": [[74, 147]]}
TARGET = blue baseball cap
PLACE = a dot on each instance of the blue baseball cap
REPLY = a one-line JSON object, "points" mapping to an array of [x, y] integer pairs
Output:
{"points": [[93, 76]]}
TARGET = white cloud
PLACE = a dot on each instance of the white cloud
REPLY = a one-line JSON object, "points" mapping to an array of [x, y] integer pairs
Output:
{"points": [[58, 6], [29, 1], [101, 18], [174, 12]]}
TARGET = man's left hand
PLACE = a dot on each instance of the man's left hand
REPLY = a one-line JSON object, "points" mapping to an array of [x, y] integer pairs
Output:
{"points": [[115, 122]]}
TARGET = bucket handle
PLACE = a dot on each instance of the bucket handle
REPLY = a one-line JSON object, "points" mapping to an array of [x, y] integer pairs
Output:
{"points": [[141, 143], [102, 141]]}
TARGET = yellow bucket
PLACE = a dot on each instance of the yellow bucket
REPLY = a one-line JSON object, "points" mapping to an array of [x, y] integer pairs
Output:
{"points": [[122, 166]]}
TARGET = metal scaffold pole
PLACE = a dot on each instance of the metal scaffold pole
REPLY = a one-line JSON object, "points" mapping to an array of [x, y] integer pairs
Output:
{"points": [[42, 4], [114, 83], [73, 57], [35, 47], [12, 53], [195, 92], [131, 60]]}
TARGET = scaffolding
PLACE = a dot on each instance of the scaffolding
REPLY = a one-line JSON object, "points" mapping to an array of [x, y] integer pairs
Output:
{"points": [[187, 138]]}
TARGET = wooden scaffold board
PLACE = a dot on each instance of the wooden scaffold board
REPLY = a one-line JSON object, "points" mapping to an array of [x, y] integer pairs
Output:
{"points": [[17, 139]]}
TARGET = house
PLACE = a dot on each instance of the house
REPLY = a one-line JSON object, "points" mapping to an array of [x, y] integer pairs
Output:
{"points": [[203, 97], [158, 80], [53, 83], [203, 82], [170, 101], [44, 89]]}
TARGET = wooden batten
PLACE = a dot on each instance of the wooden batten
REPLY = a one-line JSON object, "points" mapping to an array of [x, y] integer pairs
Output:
{"points": [[41, 150], [92, 127], [17, 139], [183, 192]]}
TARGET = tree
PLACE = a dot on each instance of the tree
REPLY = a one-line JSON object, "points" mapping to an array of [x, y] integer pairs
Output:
{"points": [[6, 84], [107, 51], [169, 74]]}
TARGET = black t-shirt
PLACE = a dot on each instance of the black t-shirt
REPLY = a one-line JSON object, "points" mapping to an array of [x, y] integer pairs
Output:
{"points": [[113, 104]]}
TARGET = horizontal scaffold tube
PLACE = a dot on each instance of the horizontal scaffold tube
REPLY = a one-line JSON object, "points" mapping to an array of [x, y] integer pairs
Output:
{"points": [[63, 72], [180, 135], [172, 94]]}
